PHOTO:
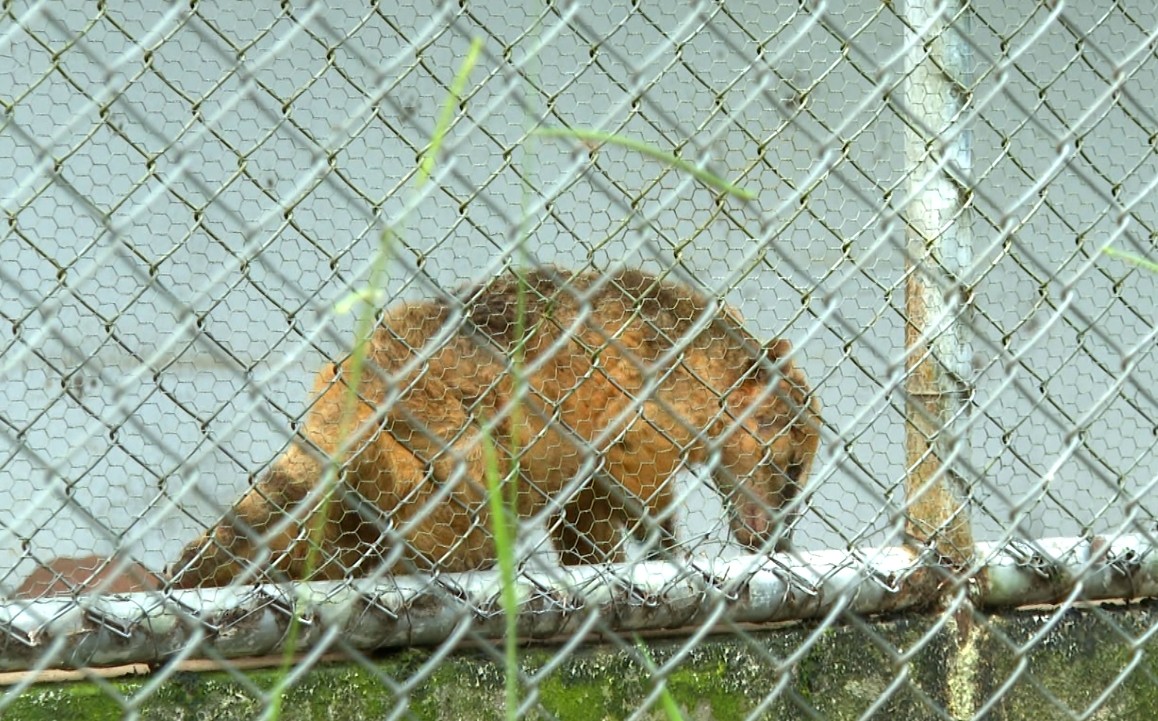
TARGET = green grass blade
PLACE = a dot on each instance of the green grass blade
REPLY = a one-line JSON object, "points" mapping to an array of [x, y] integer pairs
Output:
{"points": [[1131, 258], [368, 298], [670, 708], [453, 98], [502, 518], [594, 136]]}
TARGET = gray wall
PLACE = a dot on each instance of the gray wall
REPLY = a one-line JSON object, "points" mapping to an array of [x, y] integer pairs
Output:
{"points": [[194, 192]]}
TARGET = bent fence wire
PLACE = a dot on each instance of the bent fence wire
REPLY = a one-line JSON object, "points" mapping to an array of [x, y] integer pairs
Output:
{"points": [[947, 211]]}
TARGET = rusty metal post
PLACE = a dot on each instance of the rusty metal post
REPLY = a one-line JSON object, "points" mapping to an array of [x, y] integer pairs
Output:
{"points": [[939, 253]]}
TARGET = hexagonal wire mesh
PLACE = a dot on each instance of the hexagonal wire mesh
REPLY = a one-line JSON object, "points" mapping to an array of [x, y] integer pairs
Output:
{"points": [[204, 200]]}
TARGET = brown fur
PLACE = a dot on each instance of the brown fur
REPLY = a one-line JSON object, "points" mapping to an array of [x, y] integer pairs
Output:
{"points": [[75, 576], [627, 379]]}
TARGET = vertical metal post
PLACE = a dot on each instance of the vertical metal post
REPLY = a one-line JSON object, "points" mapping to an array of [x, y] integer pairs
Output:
{"points": [[939, 252]]}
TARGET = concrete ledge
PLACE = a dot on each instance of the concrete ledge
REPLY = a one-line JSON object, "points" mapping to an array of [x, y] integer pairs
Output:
{"points": [[920, 666]]}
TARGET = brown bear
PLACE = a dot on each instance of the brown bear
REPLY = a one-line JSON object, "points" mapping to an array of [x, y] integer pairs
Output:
{"points": [[595, 389]]}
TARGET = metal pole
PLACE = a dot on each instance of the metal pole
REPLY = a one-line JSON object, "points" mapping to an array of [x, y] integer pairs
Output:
{"points": [[939, 253], [153, 626]]}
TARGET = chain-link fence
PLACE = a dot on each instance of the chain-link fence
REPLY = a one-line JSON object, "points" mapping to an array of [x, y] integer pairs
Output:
{"points": [[564, 321]]}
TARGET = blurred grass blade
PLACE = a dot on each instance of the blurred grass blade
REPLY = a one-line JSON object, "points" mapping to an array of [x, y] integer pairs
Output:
{"points": [[1131, 258], [600, 138], [453, 98], [502, 518], [670, 708]]}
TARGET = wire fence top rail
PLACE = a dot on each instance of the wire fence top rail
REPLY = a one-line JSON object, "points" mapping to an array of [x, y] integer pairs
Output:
{"points": [[402, 611]]}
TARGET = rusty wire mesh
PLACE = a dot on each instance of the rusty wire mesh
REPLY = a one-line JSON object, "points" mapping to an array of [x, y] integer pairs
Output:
{"points": [[200, 196]]}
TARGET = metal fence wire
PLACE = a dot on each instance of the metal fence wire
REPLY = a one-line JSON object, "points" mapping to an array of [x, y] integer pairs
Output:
{"points": [[335, 328]]}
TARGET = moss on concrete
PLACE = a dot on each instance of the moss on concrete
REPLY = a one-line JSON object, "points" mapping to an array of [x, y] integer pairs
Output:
{"points": [[66, 701], [1026, 665], [1065, 673]]}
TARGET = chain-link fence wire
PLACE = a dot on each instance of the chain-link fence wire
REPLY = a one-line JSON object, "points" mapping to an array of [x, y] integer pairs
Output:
{"points": [[199, 192]]}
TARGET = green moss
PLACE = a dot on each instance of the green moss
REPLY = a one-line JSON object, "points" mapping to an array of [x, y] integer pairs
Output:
{"points": [[1067, 671], [698, 687], [844, 671], [66, 701], [464, 686], [328, 691], [583, 691]]}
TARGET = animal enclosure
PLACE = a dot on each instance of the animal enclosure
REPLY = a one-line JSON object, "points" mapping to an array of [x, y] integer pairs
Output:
{"points": [[862, 320]]}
